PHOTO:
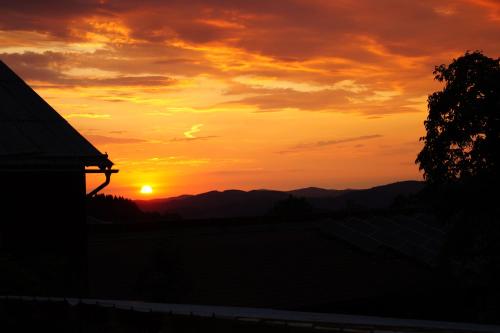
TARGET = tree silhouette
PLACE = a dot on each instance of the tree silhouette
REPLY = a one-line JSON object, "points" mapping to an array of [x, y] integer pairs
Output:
{"points": [[463, 125], [461, 160]]}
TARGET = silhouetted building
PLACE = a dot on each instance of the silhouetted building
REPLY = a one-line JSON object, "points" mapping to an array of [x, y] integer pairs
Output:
{"points": [[43, 162]]}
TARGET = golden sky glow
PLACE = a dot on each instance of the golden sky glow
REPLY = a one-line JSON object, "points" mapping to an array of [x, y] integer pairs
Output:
{"points": [[192, 96]]}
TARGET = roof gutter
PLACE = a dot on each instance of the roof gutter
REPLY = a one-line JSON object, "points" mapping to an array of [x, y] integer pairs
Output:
{"points": [[107, 171]]}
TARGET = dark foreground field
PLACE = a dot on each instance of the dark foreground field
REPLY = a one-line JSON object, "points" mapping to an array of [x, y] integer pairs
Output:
{"points": [[300, 265]]}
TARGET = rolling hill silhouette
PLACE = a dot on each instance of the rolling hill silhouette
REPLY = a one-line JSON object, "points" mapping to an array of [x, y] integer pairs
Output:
{"points": [[237, 203]]}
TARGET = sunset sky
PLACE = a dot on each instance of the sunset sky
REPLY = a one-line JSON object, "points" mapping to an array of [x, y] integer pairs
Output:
{"points": [[192, 96]]}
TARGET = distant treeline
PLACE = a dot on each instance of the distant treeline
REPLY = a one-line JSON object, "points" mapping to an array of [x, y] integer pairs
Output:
{"points": [[230, 204], [117, 209]]}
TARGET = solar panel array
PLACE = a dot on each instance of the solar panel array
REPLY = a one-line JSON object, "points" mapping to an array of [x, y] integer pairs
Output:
{"points": [[414, 236]]}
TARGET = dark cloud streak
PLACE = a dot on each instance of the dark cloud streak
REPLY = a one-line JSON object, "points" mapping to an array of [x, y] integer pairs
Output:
{"points": [[325, 143], [102, 140], [49, 66]]}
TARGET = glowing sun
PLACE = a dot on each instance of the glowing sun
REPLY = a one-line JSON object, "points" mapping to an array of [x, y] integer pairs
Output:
{"points": [[146, 189]]}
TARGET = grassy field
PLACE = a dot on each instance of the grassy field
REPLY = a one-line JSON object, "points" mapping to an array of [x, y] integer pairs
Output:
{"points": [[292, 265]]}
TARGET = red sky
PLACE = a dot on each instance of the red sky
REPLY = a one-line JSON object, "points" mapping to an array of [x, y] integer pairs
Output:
{"points": [[191, 96]]}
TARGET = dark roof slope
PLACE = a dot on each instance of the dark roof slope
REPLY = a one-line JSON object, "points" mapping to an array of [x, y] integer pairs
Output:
{"points": [[33, 133]]}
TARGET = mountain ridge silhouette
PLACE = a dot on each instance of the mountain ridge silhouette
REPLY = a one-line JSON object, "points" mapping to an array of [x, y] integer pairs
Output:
{"points": [[239, 203]]}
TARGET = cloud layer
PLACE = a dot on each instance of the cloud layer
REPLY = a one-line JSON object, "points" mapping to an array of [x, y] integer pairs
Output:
{"points": [[261, 75]]}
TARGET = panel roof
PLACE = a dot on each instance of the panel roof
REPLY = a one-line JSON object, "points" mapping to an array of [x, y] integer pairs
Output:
{"points": [[33, 133]]}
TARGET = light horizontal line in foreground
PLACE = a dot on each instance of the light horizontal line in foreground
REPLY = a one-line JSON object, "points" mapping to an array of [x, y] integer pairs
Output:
{"points": [[262, 314]]}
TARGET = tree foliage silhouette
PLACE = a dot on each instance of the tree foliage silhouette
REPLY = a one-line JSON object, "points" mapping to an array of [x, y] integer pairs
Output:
{"points": [[113, 208], [463, 125]]}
